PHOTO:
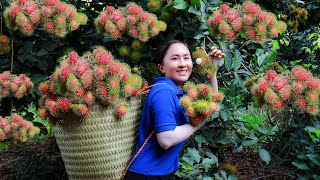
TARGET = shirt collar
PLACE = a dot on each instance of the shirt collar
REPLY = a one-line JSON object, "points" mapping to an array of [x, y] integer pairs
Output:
{"points": [[169, 81]]}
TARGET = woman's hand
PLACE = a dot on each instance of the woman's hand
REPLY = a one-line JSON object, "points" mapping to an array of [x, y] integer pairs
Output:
{"points": [[216, 55]]}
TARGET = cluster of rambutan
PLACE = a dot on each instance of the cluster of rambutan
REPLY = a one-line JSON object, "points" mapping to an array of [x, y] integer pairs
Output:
{"points": [[133, 52], [297, 87], [55, 16], [82, 83], [131, 19], [204, 63], [296, 16], [23, 15], [18, 86], [4, 44], [249, 19], [16, 129], [60, 18], [200, 102]]}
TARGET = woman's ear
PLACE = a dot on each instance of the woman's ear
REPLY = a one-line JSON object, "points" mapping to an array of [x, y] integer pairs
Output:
{"points": [[161, 68]]}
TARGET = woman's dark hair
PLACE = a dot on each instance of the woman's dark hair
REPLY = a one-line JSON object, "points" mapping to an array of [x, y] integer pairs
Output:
{"points": [[162, 50]]}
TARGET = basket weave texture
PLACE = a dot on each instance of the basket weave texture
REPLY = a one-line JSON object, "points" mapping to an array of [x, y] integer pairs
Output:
{"points": [[100, 146]]}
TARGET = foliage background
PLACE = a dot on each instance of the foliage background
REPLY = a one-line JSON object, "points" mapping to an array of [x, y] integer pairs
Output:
{"points": [[278, 138]]}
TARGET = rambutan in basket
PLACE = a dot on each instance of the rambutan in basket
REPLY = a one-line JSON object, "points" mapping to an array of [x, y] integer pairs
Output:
{"points": [[100, 146]]}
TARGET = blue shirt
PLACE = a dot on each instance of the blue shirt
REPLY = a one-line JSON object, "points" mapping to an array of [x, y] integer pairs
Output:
{"points": [[162, 112]]}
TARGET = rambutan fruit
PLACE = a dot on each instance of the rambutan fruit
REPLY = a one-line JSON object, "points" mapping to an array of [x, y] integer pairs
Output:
{"points": [[121, 24], [43, 113], [204, 90], [161, 25], [114, 68], [190, 112], [224, 27], [270, 96], [301, 74], [313, 83], [29, 7], [89, 98], [87, 79], [278, 105], [279, 82], [135, 55], [313, 110], [124, 51], [80, 110], [213, 107], [261, 28], [51, 2], [248, 19], [136, 44], [285, 93], [61, 7], [16, 118], [201, 106], [312, 98], [44, 87], [121, 110], [218, 97], [262, 16], [237, 24], [232, 15], [231, 35], [79, 93], [298, 87], [251, 7], [72, 58], [110, 10], [185, 101], [224, 8], [63, 104], [196, 121], [301, 103], [154, 5], [133, 8], [80, 68], [72, 83], [4, 39]]}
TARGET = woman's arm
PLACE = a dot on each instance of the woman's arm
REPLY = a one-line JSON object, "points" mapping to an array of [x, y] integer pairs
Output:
{"points": [[168, 139], [217, 55]]}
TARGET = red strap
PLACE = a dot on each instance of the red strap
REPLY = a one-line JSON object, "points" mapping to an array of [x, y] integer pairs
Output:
{"points": [[138, 152]]}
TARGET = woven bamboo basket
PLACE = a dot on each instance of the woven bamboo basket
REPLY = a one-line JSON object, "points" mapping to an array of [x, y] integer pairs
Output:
{"points": [[100, 146]]}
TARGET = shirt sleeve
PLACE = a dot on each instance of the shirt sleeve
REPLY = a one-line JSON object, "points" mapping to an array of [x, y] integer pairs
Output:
{"points": [[163, 110]]}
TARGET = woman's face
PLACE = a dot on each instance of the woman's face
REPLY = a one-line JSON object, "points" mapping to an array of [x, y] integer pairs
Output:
{"points": [[177, 63]]}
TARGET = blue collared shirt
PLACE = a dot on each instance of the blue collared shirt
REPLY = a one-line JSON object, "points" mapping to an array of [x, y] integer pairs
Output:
{"points": [[162, 112]]}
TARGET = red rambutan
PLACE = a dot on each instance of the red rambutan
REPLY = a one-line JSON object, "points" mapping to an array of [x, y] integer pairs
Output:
{"points": [[121, 110], [63, 104]]}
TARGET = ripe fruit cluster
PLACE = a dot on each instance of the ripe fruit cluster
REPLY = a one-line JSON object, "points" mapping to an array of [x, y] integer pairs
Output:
{"points": [[55, 16], [17, 130], [204, 63], [297, 87], [133, 52], [247, 19], [18, 86], [131, 19], [200, 102], [4, 44], [92, 81]]}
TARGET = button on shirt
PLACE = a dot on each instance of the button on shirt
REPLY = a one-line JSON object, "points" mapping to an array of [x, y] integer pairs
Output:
{"points": [[162, 112]]}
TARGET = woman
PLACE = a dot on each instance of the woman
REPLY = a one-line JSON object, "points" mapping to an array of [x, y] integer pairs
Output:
{"points": [[159, 159]]}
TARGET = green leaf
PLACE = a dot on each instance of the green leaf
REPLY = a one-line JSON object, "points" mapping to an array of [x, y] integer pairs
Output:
{"points": [[301, 165], [314, 159], [43, 122], [200, 139], [42, 52], [207, 163], [3, 146], [239, 80], [249, 142], [237, 60], [207, 178], [264, 155], [188, 160], [194, 154], [180, 4], [199, 36], [261, 58], [196, 2], [194, 11], [227, 60]]}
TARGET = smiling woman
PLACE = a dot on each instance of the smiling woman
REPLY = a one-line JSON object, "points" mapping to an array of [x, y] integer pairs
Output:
{"points": [[163, 114]]}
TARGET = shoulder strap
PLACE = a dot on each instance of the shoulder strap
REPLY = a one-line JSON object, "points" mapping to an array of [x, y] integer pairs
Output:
{"points": [[136, 155]]}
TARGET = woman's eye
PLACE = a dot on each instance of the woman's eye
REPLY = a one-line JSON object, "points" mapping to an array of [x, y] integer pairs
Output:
{"points": [[174, 58]]}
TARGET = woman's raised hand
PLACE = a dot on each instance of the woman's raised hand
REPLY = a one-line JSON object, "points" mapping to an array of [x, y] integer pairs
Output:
{"points": [[216, 55]]}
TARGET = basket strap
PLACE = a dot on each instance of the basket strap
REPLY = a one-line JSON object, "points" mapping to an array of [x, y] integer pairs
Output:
{"points": [[136, 155]]}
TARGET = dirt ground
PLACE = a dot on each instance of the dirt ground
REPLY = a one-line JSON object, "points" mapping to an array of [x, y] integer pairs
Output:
{"points": [[18, 163]]}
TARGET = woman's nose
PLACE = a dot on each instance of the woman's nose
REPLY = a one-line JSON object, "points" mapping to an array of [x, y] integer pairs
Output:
{"points": [[182, 63]]}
